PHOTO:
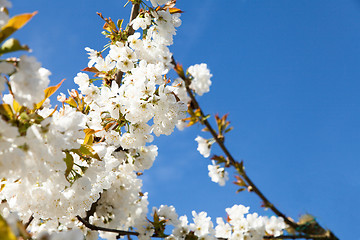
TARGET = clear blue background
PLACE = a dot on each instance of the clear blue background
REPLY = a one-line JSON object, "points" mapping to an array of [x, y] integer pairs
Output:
{"points": [[286, 71]]}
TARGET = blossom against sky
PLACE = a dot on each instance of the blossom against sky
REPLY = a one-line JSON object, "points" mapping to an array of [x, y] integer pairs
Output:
{"points": [[285, 71]]}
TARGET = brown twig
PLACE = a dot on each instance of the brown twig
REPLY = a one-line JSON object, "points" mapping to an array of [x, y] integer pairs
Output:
{"points": [[92, 209], [29, 221], [230, 157], [97, 228], [119, 232], [297, 237], [128, 233], [134, 12], [234, 163]]}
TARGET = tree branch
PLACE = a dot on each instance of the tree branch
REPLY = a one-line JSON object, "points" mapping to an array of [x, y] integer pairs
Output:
{"points": [[29, 221], [297, 237], [234, 163], [92, 209], [134, 12], [97, 228], [119, 232], [128, 233]]}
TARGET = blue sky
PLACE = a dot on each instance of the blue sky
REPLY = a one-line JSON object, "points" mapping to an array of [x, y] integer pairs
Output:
{"points": [[288, 74]]}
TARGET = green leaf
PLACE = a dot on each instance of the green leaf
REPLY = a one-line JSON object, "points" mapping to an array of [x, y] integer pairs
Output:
{"points": [[240, 167], [86, 150], [69, 160], [12, 45], [5, 230], [14, 24], [229, 129], [24, 117]]}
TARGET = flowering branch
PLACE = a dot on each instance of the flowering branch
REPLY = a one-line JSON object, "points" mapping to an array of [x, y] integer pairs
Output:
{"points": [[297, 237], [88, 155], [119, 232], [239, 165], [134, 12], [128, 233], [92, 209], [97, 228]]}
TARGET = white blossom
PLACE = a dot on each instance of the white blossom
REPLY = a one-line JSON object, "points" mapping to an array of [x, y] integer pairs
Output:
{"points": [[141, 22], [201, 78], [203, 146], [29, 81], [82, 79], [55, 175], [274, 225], [218, 174]]}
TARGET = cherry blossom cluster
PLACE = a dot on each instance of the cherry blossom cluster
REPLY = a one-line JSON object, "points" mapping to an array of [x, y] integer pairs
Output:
{"points": [[85, 156], [217, 173], [55, 172], [240, 224]]}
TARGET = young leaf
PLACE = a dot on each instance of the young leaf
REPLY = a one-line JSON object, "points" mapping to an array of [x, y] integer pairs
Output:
{"points": [[17, 107], [179, 70], [86, 150], [12, 45], [219, 159], [71, 102], [69, 160], [119, 23], [240, 190], [48, 92], [6, 111], [240, 182], [175, 10], [89, 138], [92, 69], [5, 230], [14, 24]]}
